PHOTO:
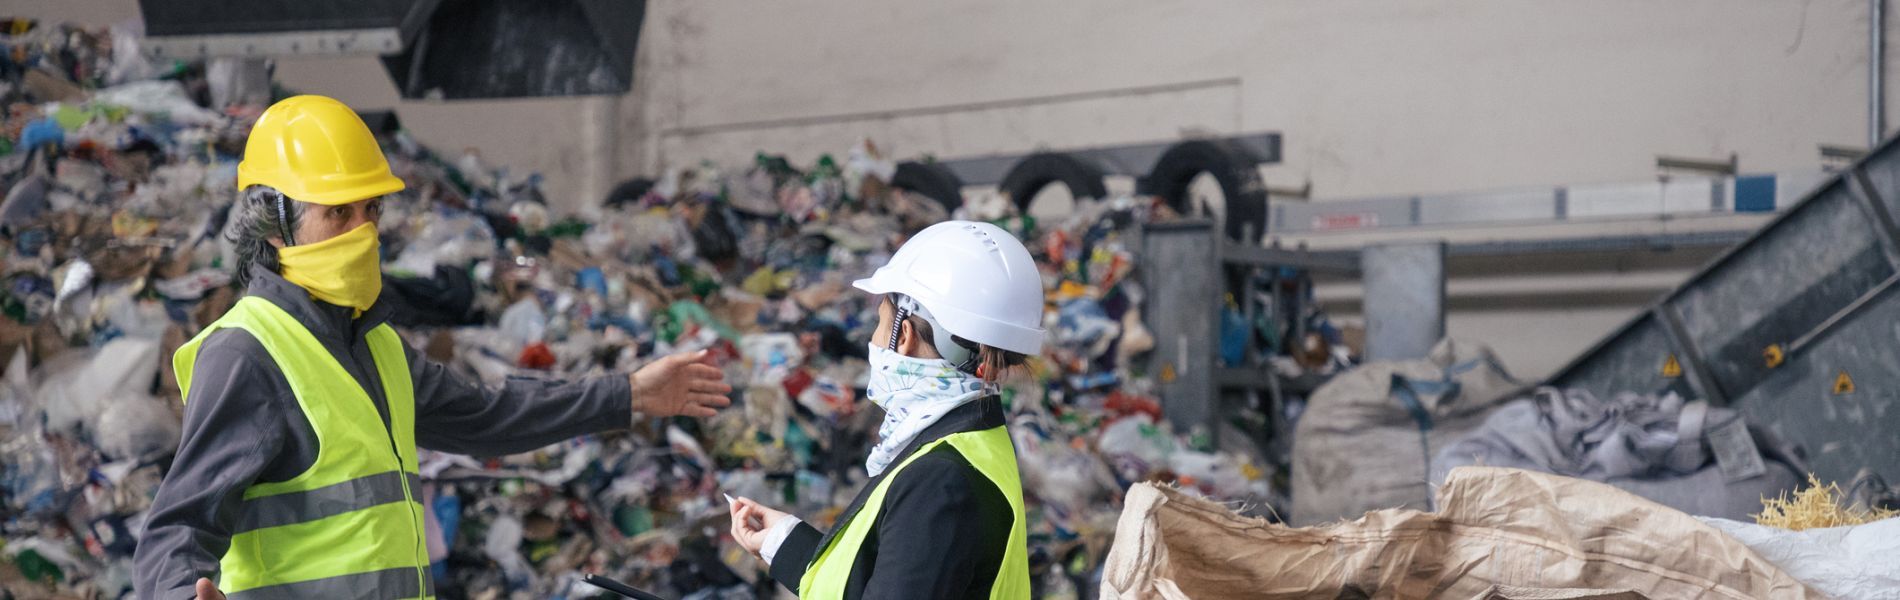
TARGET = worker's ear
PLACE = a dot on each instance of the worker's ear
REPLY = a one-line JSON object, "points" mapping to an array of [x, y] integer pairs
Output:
{"points": [[911, 344], [908, 342]]}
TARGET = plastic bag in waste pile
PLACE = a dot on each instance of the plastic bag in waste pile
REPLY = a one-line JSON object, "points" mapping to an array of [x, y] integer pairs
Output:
{"points": [[1493, 527], [1658, 447], [1842, 562], [1366, 438]]}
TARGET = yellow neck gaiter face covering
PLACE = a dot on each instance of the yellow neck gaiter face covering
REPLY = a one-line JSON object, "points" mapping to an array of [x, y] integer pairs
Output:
{"points": [[344, 270]]}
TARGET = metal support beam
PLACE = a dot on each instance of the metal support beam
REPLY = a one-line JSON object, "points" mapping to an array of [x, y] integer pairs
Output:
{"points": [[1405, 299], [354, 42], [1869, 198], [599, 121], [1178, 261], [1245, 377], [1839, 152], [1859, 304], [1876, 79], [1718, 167], [1251, 255], [1691, 355]]}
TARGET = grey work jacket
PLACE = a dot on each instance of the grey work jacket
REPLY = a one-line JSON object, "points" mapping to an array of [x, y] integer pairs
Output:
{"points": [[243, 426]]}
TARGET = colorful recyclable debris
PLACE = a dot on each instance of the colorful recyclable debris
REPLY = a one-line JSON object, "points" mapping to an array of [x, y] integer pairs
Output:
{"points": [[118, 180]]}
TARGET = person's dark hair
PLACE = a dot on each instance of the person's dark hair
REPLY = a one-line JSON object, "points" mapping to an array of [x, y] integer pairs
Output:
{"points": [[995, 362], [257, 221]]}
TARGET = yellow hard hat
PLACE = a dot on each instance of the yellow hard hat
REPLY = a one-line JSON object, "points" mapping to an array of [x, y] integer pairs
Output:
{"points": [[314, 149]]}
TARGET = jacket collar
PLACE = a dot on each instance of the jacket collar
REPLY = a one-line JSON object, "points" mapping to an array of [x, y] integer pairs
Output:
{"points": [[324, 320], [976, 416], [980, 415]]}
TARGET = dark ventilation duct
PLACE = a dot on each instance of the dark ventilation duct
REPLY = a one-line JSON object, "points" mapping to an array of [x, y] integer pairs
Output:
{"points": [[468, 49], [436, 49]]}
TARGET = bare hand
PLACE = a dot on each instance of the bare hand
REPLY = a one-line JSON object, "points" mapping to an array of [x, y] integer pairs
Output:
{"points": [[750, 521], [681, 384], [207, 591]]}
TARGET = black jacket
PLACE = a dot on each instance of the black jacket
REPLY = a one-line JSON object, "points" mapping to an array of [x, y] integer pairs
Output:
{"points": [[941, 533], [243, 426]]}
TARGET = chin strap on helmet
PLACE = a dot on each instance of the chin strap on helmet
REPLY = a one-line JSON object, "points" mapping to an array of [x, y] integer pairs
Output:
{"points": [[283, 218], [947, 344]]}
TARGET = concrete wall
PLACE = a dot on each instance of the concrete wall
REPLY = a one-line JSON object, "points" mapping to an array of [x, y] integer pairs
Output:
{"points": [[1373, 97]]}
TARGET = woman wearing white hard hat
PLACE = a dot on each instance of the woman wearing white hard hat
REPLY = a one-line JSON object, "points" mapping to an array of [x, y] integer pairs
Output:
{"points": [[942, 516]]}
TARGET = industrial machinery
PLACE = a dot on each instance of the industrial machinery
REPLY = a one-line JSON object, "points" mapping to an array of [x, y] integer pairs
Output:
{"points": [[1798, 326]]}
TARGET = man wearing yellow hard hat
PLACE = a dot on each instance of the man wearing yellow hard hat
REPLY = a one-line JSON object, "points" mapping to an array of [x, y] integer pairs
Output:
{"points": [[296, 476]]}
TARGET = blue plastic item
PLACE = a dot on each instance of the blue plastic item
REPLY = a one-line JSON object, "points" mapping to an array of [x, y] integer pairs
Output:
{"points": [[1233, 337], [448, 515], [592, 279], [43, 131]]}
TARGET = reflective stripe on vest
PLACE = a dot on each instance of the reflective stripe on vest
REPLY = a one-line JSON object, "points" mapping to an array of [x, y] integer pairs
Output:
{"points": [[328, 501], [351, 523], [387, 583], [991, 453]]}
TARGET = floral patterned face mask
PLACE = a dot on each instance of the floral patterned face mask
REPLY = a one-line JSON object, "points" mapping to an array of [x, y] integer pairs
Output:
{"points": [[914, 393]]}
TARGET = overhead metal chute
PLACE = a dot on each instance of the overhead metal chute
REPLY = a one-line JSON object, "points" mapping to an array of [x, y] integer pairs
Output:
{"points": [[435, 49]]}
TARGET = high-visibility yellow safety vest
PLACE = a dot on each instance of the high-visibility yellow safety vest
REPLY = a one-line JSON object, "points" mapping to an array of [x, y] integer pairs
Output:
{"points": [[990, 452], [351, 525]]}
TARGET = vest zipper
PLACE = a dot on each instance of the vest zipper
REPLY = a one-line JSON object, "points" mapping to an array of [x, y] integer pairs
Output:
{"points": [[415, 527], [421, 554], [408, 496]]}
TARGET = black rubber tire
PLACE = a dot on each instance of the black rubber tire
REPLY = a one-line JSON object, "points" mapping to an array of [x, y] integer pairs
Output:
{"points": [[932, 180], [1039, 170], [1233, 165], [628, 192]]}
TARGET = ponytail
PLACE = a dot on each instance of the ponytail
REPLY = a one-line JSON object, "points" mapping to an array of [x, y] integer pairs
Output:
{"points": [[993, 363]]}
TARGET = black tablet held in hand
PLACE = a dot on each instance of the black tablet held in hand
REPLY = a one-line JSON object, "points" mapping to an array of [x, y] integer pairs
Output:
{"points": [[618, 587]]}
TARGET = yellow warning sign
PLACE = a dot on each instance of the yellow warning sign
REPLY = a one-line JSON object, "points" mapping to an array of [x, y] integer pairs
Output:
{"points": [[1773, 355], [1843, 384], [1672, 368], [1167, 373]]}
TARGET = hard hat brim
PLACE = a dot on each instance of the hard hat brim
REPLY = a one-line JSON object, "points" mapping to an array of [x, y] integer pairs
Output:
{"points": [[385, 187], [870, 285], [378, 186]]}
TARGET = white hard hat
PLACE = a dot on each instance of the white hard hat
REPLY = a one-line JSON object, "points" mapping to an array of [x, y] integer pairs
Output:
{"points": [[975, 279]]}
